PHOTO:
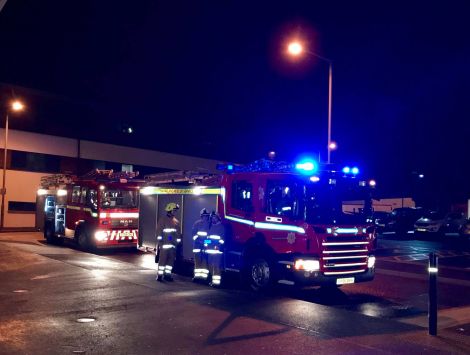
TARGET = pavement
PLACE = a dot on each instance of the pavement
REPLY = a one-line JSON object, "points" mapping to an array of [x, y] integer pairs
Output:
{"points": [[58, 300]]}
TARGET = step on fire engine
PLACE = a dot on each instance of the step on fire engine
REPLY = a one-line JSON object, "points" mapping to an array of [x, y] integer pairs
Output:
{"points": [[97, 210], [285, 223]]}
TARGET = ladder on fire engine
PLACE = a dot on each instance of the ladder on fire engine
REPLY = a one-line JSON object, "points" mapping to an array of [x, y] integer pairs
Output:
{"points": [[56, 180], [190, 177], [99, 174]]}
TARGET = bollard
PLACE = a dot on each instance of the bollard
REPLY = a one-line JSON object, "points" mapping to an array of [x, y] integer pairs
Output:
{"points": [[432, 309]]}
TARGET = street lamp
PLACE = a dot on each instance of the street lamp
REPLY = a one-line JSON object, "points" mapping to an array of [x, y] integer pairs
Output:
{"points": [[15, 106], [295, 48]]}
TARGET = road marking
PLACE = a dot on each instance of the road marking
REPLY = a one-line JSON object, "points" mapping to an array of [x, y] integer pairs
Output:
{"points": [[424, 256], [410, 275], [449, 317]]}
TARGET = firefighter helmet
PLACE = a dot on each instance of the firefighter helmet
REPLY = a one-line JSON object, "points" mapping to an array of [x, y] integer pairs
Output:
{"points": [[204, 212], [171, 207]]}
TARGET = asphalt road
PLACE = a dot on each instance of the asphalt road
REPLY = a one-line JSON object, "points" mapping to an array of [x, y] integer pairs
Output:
{"points": [[45, 290]]}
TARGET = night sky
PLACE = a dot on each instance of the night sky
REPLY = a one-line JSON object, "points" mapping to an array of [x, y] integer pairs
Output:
{"points": [[210, 78]]}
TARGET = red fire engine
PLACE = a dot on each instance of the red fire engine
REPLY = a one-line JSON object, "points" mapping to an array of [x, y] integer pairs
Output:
{"points": [[97, 210], [285, 223]]}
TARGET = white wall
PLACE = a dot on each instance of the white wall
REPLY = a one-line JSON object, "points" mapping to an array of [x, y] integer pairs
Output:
{"points": [[120, 154], [22, 187], [46, 144], [39, 143]]}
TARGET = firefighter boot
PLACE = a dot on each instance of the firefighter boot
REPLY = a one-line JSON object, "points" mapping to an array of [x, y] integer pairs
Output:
{"points": [[216, 281]]}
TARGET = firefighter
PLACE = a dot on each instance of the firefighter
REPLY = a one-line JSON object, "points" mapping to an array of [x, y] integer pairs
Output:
{"points": [[214, 248], [168, 238], [199, 233]]}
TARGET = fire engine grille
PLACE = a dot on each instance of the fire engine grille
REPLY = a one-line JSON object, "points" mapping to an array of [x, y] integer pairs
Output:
{"points": [[345, 254], [124, 223]]}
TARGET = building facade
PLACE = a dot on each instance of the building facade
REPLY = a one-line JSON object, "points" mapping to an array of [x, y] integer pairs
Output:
{"points": [[31, 156]]}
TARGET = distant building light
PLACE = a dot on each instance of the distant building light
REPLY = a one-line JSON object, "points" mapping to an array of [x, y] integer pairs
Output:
{"points": [[127, 168], [421, 176]]}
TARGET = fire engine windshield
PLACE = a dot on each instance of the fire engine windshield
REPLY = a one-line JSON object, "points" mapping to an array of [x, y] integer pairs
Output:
{"points": [[337, 201], [118, 199]]}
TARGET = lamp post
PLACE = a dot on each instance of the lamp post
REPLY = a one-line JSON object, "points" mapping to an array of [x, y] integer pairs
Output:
{"points": [[15, 106], [295, 49]]}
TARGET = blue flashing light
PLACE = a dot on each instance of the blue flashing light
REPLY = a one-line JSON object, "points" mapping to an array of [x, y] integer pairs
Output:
{"points": [[355, 170], [346, 170], [306, 166], [230, 167]]}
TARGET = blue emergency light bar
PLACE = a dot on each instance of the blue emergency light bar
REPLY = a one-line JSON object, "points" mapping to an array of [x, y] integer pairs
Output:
{"points": [[307, 167], [347, 170]]}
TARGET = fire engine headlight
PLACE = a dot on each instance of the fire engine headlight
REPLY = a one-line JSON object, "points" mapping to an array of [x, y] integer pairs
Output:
{"points": [[101, 235], [371, 261], [42, 192], [307, 265]]}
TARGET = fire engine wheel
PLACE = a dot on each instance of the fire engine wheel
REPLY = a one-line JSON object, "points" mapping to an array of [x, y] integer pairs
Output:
{"points": [[83, 241], [260, 274]]}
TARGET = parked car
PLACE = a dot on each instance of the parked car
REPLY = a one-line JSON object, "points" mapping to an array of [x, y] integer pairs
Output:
{"points": [[465, 229], [401, 220], [380, 218], [432, 222], [454, 222], [438, 223]]}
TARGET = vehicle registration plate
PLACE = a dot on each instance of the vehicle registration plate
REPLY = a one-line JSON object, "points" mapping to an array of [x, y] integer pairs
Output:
{"points": [[345, 280]]}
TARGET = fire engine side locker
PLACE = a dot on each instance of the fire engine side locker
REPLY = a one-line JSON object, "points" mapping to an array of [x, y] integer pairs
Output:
{"points": [[152, 208]]}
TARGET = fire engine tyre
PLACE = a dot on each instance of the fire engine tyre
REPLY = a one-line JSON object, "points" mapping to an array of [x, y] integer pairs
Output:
{"points": [[260, 274], [83, 240]]}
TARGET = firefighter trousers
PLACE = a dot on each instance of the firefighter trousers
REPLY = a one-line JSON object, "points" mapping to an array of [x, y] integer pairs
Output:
{"points": [[201, 270], [167, 260], [215, 267]]}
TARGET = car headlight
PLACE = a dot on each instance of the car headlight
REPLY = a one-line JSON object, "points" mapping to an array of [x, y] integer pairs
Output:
{"points": [[101, 235], [307, 265], [371, 261]]}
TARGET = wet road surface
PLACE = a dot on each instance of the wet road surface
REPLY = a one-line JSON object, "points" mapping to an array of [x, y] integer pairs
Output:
{"points": [[45, 289]]}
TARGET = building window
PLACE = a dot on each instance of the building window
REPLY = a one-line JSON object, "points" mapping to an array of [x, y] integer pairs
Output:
{"points": [[127, 168], [242, 196], [76, 194], [21, 207], [83, 196], [27, 161]]}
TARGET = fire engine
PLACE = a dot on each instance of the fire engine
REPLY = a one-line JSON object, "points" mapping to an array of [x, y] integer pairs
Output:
{"points": [[285, 223], [97, 210]]}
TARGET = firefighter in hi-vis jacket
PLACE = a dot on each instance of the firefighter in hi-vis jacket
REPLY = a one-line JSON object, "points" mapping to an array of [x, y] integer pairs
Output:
{"points": [[214, 248], [168, 237], [199, 233]]}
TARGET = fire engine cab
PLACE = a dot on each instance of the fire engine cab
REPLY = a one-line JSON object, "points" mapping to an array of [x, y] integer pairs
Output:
{"points": [[285, 223], [97, 210]]}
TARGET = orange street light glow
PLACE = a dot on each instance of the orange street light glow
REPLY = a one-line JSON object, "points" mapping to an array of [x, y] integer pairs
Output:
{"points": [[17, 106], [295, 48]]}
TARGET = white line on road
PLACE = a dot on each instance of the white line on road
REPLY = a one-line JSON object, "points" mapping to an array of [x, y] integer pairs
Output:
{"points": [[410, 275]]}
